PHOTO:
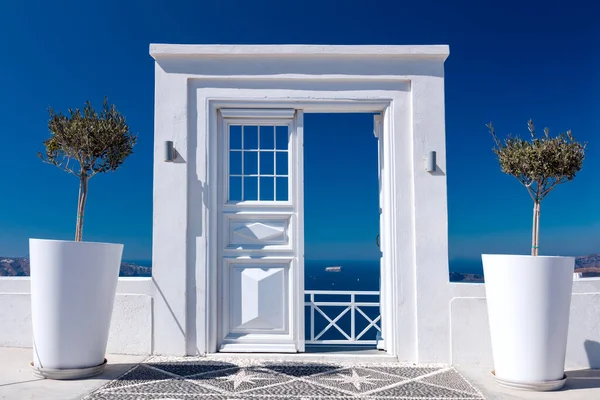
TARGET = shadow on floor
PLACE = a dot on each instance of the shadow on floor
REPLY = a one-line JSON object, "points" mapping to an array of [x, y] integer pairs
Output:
{"points": [[586, 378], [208, 370], [592, 349], [343, 349], [583, 379]]}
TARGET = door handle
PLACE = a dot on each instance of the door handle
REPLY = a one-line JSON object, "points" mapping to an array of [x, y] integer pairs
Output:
{"points": [[377, 240]]}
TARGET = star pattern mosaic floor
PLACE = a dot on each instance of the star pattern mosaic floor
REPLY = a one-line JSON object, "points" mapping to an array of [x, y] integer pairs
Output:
{"points": [[161, 378]]}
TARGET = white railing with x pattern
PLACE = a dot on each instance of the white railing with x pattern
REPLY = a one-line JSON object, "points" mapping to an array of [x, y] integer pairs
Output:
{"points": [[313, 301]]}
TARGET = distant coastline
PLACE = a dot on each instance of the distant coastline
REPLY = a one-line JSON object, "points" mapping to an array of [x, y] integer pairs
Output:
{"points": [[471, 271], [467, 271], [19, 266]]}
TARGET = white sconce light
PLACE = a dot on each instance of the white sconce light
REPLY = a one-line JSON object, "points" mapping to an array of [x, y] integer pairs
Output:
{"points": [[169, 151], [430, 162]]}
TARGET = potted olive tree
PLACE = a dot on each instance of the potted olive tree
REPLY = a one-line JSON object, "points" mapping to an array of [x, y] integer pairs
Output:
{"points": [[73, 283], [529, 296]]}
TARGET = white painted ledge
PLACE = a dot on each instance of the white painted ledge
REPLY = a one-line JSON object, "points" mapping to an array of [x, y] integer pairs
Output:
{"points": [[166, 50], [466, 289], [126, 285]]}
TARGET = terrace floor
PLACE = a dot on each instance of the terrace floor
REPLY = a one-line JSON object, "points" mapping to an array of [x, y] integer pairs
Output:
{"points": [[310, 377], [17, 381]]}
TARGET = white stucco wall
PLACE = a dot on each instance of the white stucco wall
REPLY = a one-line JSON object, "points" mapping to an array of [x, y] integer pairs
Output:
{"points": [[470, 334], [131, 326]]}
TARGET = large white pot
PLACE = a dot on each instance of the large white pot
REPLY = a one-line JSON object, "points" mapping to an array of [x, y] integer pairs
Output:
{"points": [[73, 287], [528, 300]]}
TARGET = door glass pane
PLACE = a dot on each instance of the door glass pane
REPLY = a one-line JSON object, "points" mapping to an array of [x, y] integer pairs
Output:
{"points": [[258, 155], [267, 163], [235, 137], [282, 163], [235, 188], [250, 188], [267, 137], [250, 162], [281, 137], [267, 188], [235, 162], [281, 185], [250, 137]]}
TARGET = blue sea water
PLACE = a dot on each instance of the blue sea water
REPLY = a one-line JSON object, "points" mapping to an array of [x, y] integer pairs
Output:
{"points": [[466, 266], [354, 275]]}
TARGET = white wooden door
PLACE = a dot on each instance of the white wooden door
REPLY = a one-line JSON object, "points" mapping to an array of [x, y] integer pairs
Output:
{"points": [[261, 260]]}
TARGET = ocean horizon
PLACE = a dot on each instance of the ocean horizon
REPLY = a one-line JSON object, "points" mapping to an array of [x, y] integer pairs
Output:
{"points": [[461, 266]]}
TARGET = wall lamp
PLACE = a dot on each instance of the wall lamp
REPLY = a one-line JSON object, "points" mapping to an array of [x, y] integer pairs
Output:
{"points": [[170, 153], [430, 162]]}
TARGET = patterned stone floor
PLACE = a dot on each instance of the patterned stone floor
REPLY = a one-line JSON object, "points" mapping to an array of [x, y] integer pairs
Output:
{"points": [[162, 378]]}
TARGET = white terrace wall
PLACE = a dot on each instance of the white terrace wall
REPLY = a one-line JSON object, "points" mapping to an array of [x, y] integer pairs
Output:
{"points": [[470, 333], [131, 326], [131, 329]]}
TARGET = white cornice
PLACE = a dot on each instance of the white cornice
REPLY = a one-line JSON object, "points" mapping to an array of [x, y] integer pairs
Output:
{"points": [[440, 52]]}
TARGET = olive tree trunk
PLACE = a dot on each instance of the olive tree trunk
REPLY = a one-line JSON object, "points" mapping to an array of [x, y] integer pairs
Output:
{"points": [[83, 191], [536, 229]]}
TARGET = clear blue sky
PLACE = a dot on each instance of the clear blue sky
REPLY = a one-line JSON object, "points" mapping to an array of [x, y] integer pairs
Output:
{"points": [[510, 61]]}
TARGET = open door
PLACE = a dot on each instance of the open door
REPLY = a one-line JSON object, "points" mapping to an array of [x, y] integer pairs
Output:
{"points": [[378, 132], [261, 259]]}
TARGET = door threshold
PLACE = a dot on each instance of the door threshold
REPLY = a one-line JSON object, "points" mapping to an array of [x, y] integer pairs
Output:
{"points": [[331, 349], [308, 357]]}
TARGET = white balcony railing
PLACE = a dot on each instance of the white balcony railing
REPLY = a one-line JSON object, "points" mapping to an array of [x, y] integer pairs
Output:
{"points": [[352, 306]]}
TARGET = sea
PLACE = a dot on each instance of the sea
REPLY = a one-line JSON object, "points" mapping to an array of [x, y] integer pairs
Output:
{"points": [[354, 275]]}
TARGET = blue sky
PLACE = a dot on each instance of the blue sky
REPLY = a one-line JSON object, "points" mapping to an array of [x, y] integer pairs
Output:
{"points": [[509, 62]]}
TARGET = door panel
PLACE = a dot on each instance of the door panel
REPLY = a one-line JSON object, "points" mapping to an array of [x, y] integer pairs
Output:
{"points": [[253, 288], [261, 261], [267, 232]]}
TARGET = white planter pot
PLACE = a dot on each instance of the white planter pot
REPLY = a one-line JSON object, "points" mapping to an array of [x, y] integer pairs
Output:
{"points": [[73, 287], [528, 300]]}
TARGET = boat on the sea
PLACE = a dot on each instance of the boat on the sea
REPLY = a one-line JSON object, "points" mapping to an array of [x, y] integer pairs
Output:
{"points": [[336, 268]]}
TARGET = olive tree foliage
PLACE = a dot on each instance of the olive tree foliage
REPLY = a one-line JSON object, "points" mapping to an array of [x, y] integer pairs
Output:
{"points": [[85, 143], [540, 164]]}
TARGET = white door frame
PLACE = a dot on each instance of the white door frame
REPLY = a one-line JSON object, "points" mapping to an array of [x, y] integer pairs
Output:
{"points": [[333, 106]]}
